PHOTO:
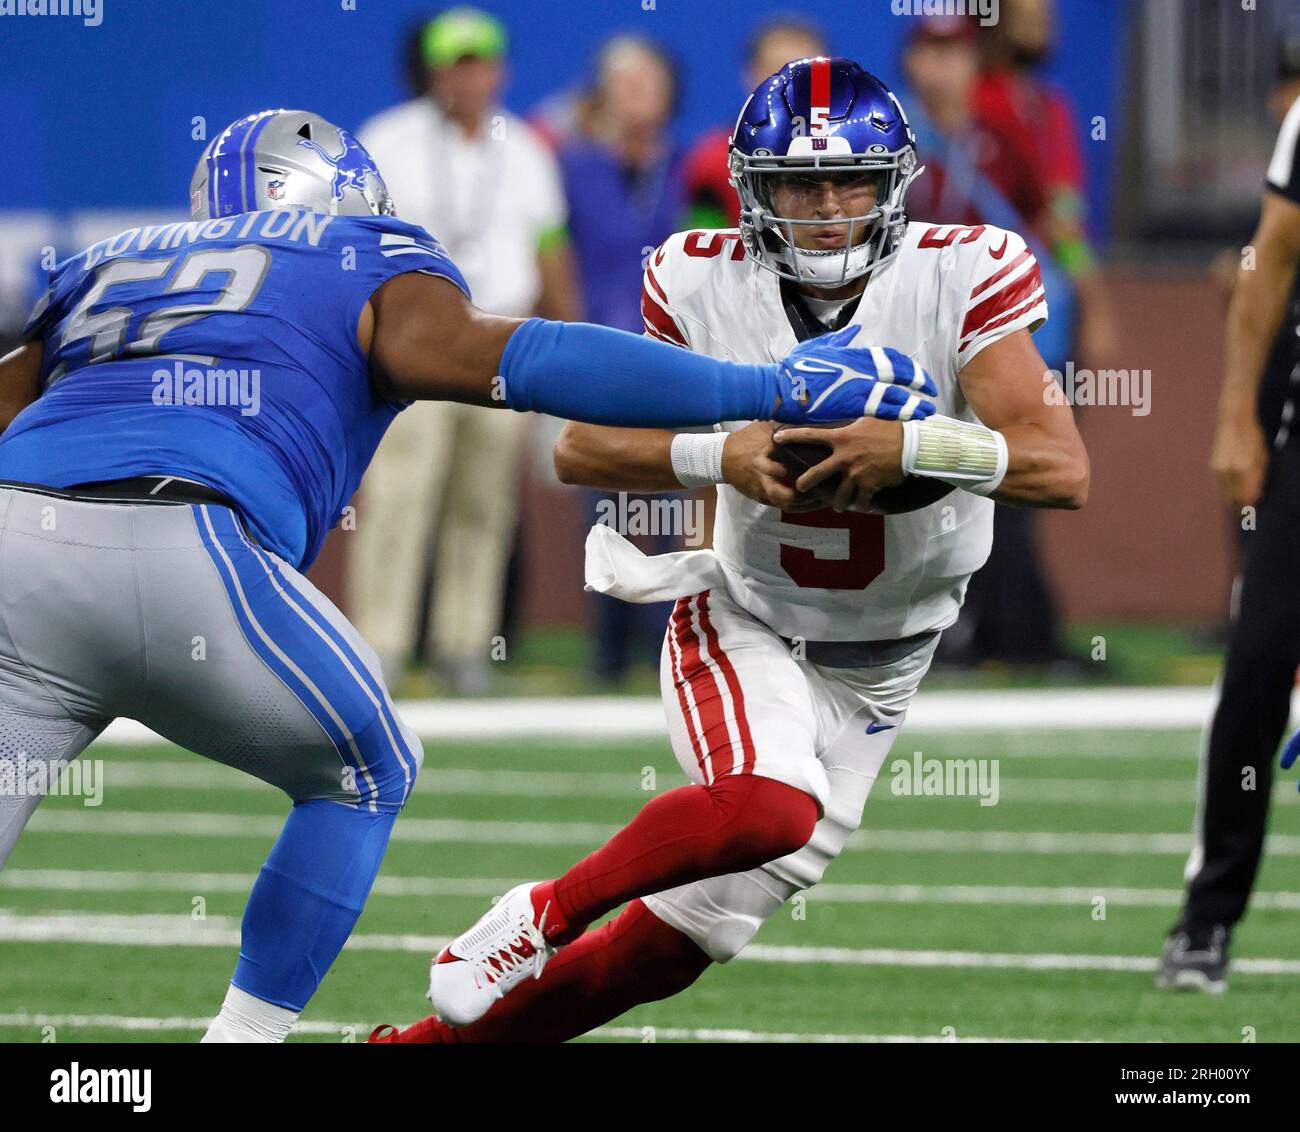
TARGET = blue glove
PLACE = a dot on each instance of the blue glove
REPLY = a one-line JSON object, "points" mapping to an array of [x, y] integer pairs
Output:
{"points": [[1289, 753], [825, 380]]}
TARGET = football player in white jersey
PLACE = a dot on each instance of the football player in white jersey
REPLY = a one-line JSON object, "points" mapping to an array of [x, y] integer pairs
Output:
{"points": [[797, 643]]}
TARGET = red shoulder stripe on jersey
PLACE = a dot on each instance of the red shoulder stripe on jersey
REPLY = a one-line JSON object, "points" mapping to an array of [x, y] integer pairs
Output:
{"points": [[733, 686], [1013, 294], [981, 288], [658, 290], [659, 320], [1011, 315], [650, 330]]}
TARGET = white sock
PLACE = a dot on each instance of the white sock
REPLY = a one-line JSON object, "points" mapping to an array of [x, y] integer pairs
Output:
{"points": [[244, 1018]]}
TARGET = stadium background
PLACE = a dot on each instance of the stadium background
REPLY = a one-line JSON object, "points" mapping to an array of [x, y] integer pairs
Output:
{"points": [[117, 143], [1038, 917]]}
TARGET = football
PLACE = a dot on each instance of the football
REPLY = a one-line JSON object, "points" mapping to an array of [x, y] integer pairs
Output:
{"points": [[912, 494]]}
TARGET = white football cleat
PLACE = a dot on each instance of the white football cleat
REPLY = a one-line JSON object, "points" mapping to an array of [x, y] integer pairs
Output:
{"points": [[505, 947]]}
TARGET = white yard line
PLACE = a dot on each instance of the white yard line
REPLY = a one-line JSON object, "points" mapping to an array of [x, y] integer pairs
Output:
{"points": [[120, 823], [146, 774], [223, 931], [1045, 896], [356, 1031], [198, 775], [603, 718]]}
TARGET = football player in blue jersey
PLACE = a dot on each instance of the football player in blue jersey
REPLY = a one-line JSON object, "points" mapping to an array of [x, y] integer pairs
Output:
{"points": [[192, 409]]}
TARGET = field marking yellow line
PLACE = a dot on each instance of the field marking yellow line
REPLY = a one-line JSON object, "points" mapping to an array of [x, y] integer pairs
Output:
{"points": [[91, 821], [223, 931], [434, 887]]}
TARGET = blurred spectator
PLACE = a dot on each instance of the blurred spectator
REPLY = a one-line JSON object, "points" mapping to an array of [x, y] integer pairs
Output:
{"points": [[941, 62], [444, 481], [712, 201], [565, 115], [971, 170], [1032, 117], [623, 184], [1010, 612]]}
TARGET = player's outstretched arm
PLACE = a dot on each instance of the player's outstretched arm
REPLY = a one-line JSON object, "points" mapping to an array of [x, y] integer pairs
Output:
{"points": [[426, 341], [20, 380]]}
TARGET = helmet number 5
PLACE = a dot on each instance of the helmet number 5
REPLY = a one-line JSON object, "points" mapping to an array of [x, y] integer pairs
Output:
{"points": [[821, 123]]}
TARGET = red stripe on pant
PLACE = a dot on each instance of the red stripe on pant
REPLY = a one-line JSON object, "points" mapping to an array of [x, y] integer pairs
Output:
{"points": [[706, 694], [717, 749], [733, 685], [678, 629]]}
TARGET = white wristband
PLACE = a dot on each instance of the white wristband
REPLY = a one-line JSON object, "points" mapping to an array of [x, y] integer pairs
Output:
{"points": [[697, 458], [965, 454]]}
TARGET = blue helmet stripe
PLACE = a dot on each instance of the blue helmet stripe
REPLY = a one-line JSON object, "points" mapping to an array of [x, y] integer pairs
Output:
{"points": [[239, 138], [219, 203], [212, 173], [247, 168], [212, 183]]}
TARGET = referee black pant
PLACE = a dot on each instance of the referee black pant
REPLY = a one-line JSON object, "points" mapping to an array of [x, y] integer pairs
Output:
{"points": [[1254, 702]]}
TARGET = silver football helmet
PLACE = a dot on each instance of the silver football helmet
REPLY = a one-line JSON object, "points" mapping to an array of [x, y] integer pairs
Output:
{"points": [[286, 159]]}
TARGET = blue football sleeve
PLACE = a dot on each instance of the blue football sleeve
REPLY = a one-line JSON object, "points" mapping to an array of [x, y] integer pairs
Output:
{"points": [[608, 377]]}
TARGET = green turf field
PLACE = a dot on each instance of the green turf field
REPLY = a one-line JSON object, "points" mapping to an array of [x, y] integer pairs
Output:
{"points": [[1038, 917]]}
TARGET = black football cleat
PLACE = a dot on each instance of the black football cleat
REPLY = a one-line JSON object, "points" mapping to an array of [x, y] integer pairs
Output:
{"points": [[1195, 959]]}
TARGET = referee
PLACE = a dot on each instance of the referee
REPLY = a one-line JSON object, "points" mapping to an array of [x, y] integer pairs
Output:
{"points": [[1256, 460]]}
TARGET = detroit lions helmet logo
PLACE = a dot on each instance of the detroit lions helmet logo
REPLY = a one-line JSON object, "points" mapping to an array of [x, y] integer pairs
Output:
{"points": [[351, 167]]}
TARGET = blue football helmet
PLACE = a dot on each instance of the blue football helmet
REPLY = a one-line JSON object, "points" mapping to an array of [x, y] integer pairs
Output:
{"points": [[828, 116], [286, 159]]}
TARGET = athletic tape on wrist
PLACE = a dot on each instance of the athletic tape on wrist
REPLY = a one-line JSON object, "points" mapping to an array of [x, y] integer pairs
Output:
{"points": [[697, 458], [962, 453]]}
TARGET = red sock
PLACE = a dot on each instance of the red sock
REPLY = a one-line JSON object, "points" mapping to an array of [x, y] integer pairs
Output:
{"points": [[634, 958], [739, 822]]}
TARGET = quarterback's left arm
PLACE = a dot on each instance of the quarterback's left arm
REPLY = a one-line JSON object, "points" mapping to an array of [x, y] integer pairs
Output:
{"points": [[1009, 387], [20, 380]]}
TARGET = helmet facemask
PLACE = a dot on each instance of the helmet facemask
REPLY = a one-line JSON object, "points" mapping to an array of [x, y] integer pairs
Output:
{"points": [[873, 236]]}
